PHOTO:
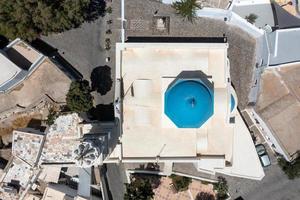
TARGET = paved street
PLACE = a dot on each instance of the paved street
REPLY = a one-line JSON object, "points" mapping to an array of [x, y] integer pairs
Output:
{"points": [[84, 48], [116, 176], [275, 185]]}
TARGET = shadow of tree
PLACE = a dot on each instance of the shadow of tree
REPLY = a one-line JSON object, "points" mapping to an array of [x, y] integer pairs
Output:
{"points": [[96, 9], [3, 41], [101, 79], [102, 112]]}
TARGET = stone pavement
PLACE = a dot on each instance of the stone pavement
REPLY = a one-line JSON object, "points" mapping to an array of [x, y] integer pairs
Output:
{"points": [[165, 191]]}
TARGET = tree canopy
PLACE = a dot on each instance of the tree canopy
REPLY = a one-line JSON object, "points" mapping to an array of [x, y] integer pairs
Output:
{"points": [[181, 183], [139, 189], [222, 188], [79, 98], [29, 18], [186, 8]]}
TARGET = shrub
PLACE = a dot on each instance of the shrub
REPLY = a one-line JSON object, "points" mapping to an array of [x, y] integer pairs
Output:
{"points": [[51, 117], [107, 44], [138, 189], [292, 170], [186, 8], [109, 10], [222, 188], [79, 98], [181, 183], [205, 196], [251, 18]]}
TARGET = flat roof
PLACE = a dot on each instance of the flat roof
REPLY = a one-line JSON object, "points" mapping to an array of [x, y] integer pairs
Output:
{"points": [[279, 106], [61, 139], [27, 145], [17, 61], [144, 122], [19, 171], [46, 79], [261, 8], [284, 46], [8, 69], [22, 48]]}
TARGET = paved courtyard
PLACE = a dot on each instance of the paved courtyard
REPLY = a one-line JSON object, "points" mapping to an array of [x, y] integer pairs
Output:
{"points": [[84, 48], [165, 191]]}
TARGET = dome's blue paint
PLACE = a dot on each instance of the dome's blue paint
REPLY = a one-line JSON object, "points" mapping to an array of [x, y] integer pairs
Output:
{"points": [[189, 103], [232, 103]]}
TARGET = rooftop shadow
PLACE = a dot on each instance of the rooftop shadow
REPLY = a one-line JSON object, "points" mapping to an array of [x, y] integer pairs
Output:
{"points": [[193, 75]]}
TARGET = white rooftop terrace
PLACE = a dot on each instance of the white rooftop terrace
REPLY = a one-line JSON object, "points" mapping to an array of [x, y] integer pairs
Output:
{"points": [[8, 69], [145, 124], [147, 69]]}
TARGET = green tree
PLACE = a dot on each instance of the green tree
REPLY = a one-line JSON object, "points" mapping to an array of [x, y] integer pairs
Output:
{"points": [[79, 98], [291, 169], [51, 116], [251, 18], [222, 188], [181, 183], [187, 9], [29, 18], [205, 196], [139, 189]]}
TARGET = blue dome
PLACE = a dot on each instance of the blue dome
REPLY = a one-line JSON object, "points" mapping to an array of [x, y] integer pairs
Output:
{"points": [[232, 103], [189, 103]]}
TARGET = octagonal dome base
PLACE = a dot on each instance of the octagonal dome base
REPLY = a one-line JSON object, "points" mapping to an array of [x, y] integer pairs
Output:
{"points": [[189, 103]]}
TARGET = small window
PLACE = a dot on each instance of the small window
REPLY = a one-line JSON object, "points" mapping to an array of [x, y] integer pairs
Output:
{"points": [[232, 120]]}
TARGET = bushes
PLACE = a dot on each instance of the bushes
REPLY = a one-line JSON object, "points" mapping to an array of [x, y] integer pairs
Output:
{"points": [[186, 8], [79, 98], [205, 196], [180, 183], [51, 116], [140, 188], [222, 188], [292, 170], [251, 18]]}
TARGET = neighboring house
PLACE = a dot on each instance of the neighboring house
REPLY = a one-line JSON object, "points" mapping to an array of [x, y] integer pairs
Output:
{"points": [[17, 62], [40, 156], [176, 105], [61, 192], [27, 78], [279, 107]]}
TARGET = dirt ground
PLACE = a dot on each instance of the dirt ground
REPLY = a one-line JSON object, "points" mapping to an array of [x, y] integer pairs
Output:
{"points": [[19, 121]]}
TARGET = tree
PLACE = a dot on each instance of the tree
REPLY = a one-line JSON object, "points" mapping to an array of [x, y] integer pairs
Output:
{"points": [[205, 196], [181, 183], [79, 98], [251, 18], [28, 19], [291, 169], [187, 9], [139, 189], [222, 188], [51, 116]]}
